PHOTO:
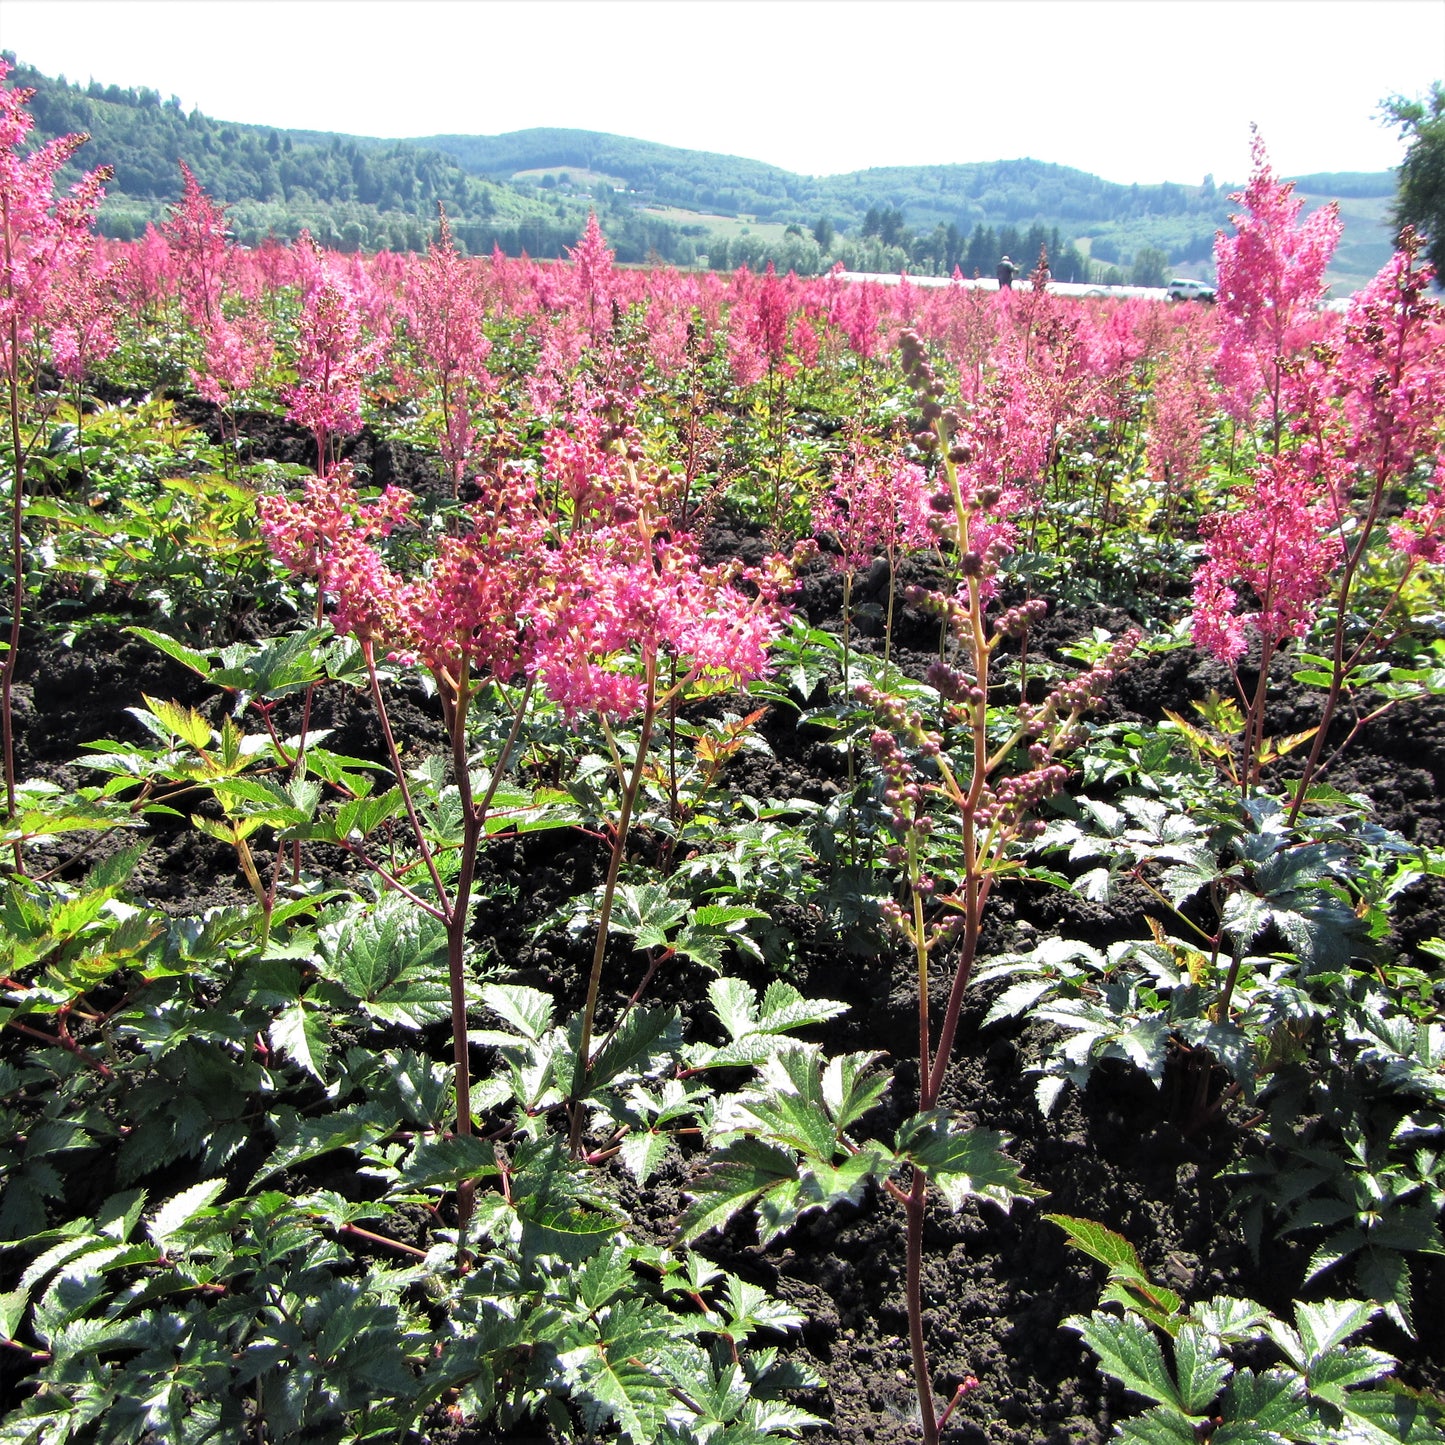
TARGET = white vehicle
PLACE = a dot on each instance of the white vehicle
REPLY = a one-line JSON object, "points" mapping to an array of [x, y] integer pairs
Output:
{"points": [[1182, 289]]}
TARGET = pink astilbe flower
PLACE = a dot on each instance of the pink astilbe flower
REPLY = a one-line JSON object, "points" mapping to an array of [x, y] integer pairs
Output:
{"points": [[40, 233], [768, 324], [1181, 404], [859, 311], [144, 272], [624, 600], [333, 358], [563, 342], [446, 316], [328, 534], [805, 341], [82, 314], [578, 464], [238, 353], [195, 232], [968, 332], [874, 504], [669, 304], [1391, 369], [592, 276], [473, 611], [1276, 551], [1271, 282], [747, 359]]}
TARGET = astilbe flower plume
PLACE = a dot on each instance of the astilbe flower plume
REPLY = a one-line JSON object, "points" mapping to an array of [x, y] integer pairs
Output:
{"points": [[627, 595], [579, 464], [592, 275], [333, 357], [472, 613], [1391, 369], [872, 504], [329, 534], [768, 323], [1274, 551], [195, 232], [1271, 281], [41, 233], [1181, 403], [238, 352], [144, 272], [446, 317], [82, 313]]}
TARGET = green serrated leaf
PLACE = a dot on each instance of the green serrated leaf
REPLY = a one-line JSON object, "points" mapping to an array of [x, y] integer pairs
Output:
{"points": [[177, 1212], [963, 1164], [1129, 1351], [1392, 1417], [741, 1174], [642, 1152], [12, 1310], [449, 1160], [188, 657], [528, 1010], [300, 1032], [1199, 1368], [569, 1233], [1263, 1409]]}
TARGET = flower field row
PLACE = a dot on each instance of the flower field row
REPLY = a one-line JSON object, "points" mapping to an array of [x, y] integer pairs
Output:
{"points": [[472, 1070]]}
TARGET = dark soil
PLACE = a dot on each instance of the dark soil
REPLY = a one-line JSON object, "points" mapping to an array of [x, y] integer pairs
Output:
{"points": [[998, 1286]]}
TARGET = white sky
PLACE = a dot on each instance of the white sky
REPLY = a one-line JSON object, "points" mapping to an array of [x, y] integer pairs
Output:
{"points": [[1132, 90]]}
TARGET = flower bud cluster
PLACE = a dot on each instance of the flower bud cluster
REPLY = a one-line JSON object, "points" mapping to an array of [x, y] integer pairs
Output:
{"points": [[1086, 691], [951, 684], [952, 610], [903, 792], [1016, 621], [1005, 806], [918, 369]]}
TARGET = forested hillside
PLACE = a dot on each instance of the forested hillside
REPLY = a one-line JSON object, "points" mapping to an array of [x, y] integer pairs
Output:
{"points": [[531, 191]]}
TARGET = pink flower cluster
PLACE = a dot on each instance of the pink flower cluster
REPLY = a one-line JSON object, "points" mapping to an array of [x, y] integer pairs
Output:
{"points": [[328, 534], [1271, 283], [594, 617], [43, 233], [195, 233], [333, 358], [621, 597], [1276, 551], [874, 503], [445, 313]]}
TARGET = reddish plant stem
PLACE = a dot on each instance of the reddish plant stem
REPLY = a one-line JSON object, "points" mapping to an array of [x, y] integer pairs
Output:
{"points": [[360, 1233], [914, 1211], [17, 542], [583, 1068]]}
